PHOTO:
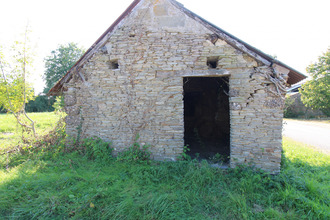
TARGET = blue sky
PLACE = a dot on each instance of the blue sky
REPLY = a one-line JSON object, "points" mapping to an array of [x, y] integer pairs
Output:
{"points": [[296, 31]]}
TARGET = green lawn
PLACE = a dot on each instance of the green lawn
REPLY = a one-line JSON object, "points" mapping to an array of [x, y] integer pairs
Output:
{"points": [[51, 184]]}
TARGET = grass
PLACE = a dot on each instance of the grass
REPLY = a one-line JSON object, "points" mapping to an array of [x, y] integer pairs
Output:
{"points": [[51, 184], [10, 131]]}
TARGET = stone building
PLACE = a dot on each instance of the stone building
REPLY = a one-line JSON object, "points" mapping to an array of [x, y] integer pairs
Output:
{"points": [[165, 73]]}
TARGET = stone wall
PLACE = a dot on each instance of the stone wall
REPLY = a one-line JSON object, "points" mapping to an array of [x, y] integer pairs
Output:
{"points": [[134, 85]]}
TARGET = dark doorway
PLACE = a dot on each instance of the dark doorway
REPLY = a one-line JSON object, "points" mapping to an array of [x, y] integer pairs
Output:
{"points": [[206, 117]]}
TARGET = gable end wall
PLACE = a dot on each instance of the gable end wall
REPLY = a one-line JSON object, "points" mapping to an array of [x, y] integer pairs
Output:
{"points": [[156, 46]]}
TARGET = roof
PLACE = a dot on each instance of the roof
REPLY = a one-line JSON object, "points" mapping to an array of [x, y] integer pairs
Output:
{"points": [[297, 86], [294, 75]]}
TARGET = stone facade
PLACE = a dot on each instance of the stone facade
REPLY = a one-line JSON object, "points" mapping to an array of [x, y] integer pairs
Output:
{"points": [[133, 85]]}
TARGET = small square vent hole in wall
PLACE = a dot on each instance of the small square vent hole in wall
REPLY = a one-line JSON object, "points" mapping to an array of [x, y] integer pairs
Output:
{"points": [[114, 64], [212, 62]]}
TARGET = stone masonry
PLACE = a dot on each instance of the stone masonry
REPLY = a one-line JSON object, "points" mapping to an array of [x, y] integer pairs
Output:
{"points": [[133, 85]]}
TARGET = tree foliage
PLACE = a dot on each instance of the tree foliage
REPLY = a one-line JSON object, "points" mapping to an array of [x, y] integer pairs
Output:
{"points": [[12, 83], [41, 103], [59, 62], [58, 104], [316, 92], [15, 92]]}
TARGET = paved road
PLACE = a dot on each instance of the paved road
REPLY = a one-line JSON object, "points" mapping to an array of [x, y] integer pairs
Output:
{"points": [[312, 133]]}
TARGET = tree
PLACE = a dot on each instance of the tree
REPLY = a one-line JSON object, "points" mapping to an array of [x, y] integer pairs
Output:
{"points": [[316, 92], [59, 62], [15, 92], [41, 103]]}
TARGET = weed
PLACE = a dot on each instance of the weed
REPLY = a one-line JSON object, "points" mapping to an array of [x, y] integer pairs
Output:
{"points": [[96, 149], [217, 158], [79, 128], [136, 152], [185, 155]]}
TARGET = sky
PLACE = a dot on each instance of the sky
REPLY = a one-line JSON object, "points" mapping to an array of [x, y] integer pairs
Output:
{"points": [[297, 32]]}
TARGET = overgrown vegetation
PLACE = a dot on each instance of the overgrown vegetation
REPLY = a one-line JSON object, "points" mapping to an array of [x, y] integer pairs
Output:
{"points": [[56, 182], [135, 153], [11, 133], [96, 149]]}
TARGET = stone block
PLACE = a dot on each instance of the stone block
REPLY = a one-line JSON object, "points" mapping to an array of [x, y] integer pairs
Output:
{"points": [[176, 21], [70, 100]]}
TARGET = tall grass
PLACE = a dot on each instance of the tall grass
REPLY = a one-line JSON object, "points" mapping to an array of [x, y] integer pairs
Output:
{"points": [[70, 185], [51, 184]]}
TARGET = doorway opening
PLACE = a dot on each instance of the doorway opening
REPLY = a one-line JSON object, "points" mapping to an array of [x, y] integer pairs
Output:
{"points": [[206, 117]]}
